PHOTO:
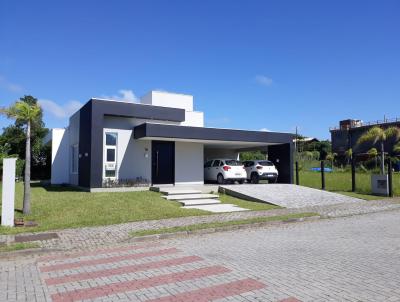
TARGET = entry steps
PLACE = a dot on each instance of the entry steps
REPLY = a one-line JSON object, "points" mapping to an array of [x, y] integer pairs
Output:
{"points": [[195, 199], [189, 196]]}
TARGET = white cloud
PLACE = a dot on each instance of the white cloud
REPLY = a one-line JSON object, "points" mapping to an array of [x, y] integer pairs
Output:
{"points": [[264, 129], [264, 80], [12, 87], [60, 111], [125, 95]]}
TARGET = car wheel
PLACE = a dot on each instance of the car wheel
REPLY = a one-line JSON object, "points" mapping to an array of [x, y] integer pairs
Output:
{"points": [[254, 178], [241, 181], [220, 179]]}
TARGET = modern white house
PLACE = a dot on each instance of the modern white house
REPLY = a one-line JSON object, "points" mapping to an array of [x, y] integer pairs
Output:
{"points": [[161, 140]]}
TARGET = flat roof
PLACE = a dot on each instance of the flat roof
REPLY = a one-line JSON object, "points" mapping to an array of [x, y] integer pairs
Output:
{"points": [[190, 133]]}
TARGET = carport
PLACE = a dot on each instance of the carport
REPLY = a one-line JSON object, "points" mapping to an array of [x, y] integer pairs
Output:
{"points": [[214, 142]]}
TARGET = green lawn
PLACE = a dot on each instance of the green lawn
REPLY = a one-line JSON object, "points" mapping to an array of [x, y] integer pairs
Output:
{"points": [[59, 207], [341, 181], [255, 206], [18, 246], [202, 226]]}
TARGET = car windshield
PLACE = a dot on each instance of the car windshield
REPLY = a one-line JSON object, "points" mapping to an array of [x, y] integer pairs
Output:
{"points": [[232, 162], [265, 163]]}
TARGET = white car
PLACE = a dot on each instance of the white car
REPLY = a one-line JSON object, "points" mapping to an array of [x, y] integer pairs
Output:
{"points": [[223, 170], [260, 169]]}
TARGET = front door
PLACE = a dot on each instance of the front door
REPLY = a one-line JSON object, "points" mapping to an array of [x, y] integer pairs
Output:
{"points": [[162, 162]]}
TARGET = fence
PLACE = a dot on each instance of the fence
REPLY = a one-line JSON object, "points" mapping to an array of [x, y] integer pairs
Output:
{"points": [[348, 179]]}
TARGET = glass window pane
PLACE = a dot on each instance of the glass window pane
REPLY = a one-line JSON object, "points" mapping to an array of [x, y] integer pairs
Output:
{"points": [[232, 162], [111, 155], [110, 173], [111, 139]]}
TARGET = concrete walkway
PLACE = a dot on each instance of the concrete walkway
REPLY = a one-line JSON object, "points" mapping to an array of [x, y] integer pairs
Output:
{"points": [[286, 195], [346, 259], [89, 237]]}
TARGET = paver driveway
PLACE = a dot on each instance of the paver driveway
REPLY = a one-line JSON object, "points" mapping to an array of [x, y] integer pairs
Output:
{"points": [[287, 195], [344, 259]]}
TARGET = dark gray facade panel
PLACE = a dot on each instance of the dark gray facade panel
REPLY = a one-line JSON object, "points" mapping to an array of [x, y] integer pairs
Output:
{"points": [[282, 157], [96, 165], [85, 143], [132, 110], [91, 129], [200, 133]]}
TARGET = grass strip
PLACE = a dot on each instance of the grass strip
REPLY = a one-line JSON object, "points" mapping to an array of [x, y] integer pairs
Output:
{"points": [[202, 226], [361, 196], [18, 246]]}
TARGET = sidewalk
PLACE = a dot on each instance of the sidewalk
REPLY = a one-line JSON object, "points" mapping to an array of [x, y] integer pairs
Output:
{"points": [[90, 237]]}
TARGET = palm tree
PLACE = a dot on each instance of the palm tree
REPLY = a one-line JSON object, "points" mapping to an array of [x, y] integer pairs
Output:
{"points": [[26, 114], [373, 153], [388, 137], [349, 155], [331, 157], [396, 148]]}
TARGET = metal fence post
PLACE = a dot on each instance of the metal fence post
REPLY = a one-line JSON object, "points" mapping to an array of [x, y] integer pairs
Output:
{"points": [[390, 178], [353, 175], [323, 175], [297, 173]]}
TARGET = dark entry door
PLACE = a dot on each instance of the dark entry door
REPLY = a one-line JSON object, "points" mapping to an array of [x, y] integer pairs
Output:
{"points": [[162, 162]]}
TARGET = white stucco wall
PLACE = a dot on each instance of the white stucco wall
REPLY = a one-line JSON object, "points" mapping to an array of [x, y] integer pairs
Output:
{"points": [[189, 165], [59, 156], [193, 118], [73, 135], [132, 161], [168, 99]]}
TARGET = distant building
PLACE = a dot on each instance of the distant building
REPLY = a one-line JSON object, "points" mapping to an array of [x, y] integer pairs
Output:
{"points": [[302, 143], [349, 131]]}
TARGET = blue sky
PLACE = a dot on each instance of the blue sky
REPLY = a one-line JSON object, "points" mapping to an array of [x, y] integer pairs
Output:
{"points": [[249, 64]]}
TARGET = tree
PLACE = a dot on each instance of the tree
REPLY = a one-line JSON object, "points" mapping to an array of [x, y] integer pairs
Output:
{"points": [[28, 114], [349, 155], [14, 136], [331, 157], [251, 155], [396, 148], [373, 153], [385, 138]]}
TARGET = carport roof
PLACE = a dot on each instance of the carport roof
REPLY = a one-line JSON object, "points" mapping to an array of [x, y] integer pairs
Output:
{"points": [[189, 133]]}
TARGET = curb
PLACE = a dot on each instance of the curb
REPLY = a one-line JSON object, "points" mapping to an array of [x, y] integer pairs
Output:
{"points": [[27, 252], [220, 229]]}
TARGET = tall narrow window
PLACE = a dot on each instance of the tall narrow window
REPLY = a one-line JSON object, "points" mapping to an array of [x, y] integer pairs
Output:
{"points": [[110, 155], [74, 159]]}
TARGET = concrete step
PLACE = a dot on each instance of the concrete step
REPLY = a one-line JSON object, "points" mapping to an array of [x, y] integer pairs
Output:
{"points": [[196, 202], [217, 208], [189, 196], [178, 191]]}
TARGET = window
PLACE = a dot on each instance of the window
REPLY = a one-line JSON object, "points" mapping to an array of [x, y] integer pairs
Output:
{"points": [[74, 159], [216, 163], [111, 139], [110, 155], [232, 162], [265, 163], [208, 164]]}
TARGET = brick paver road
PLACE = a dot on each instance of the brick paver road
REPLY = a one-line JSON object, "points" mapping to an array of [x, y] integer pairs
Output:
{"points": [[344, 259]]}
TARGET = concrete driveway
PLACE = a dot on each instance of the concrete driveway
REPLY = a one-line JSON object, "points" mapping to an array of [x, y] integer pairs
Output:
{"points": [[286, 195]]}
